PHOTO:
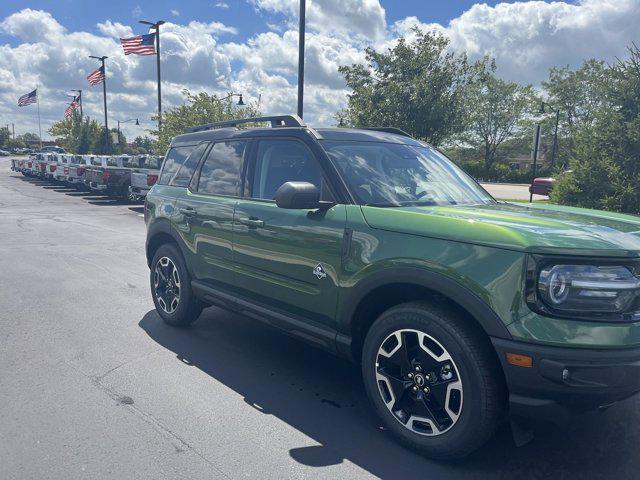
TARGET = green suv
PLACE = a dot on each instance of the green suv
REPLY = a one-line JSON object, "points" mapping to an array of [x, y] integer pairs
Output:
{"points": [[462, 311]]}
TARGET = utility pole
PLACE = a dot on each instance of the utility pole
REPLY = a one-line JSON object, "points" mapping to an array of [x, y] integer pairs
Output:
{"points": [[301, 28], [156, 26], [536, 143], [104, 93], [555, 141]]}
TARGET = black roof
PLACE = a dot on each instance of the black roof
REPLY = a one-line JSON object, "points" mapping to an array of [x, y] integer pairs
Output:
{"points": [[292, 126]]}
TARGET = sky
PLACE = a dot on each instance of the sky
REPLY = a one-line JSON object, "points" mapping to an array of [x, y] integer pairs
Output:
{"points": [[250, 47]]}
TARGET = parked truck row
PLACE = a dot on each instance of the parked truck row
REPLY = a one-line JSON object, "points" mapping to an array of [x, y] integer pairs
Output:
{"points": [[125, 177]]}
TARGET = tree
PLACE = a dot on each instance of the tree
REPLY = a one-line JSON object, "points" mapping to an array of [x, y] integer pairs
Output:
{"points": [[4, 136], [578, 94], [606, 160], [76, 134], [143, 145], [495, 109], [417, 86], [200, 108], [102, 144], [28, 137]]}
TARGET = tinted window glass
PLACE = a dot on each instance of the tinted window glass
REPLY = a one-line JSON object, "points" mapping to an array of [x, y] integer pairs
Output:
{"points": [[175, 157], [281, 161], [183, 177], [388, 174], [112, 162], [220, 174]]}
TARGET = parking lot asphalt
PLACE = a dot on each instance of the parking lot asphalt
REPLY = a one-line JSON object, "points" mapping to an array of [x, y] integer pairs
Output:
{"points": [[94, 385]]}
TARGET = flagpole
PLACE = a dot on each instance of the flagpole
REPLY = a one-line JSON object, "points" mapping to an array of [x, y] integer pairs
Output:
{"points": [[39, 126], [156, 27], [104, 94]]}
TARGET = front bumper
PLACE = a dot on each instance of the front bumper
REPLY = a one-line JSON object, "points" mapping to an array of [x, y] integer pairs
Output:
{"points": [[567, 380]]}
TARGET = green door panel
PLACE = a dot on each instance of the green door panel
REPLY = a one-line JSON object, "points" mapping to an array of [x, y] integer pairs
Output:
{"points": [[277, 250], [205, 224]]}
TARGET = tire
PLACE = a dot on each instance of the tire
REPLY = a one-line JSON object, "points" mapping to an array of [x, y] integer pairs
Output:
{"points": [[472, 388], [187, 308]]}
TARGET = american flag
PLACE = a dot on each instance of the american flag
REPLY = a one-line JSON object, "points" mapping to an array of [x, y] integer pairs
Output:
{"points": [[96, 77], [140, 45], [71, 108], [28, 99]]}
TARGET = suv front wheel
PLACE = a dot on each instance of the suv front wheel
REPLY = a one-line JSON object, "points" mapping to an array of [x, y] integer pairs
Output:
{"points": [[171, 288], [432, 380]]}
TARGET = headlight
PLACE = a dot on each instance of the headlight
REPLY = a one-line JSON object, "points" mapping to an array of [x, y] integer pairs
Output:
{"points": [[596, 290]]}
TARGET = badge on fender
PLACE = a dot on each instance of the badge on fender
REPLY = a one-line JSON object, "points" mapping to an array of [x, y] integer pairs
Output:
{"points": [[319, 272]]}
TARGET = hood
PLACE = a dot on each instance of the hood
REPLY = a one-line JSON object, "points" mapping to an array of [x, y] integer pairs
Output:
{"points": [[535, 228]]}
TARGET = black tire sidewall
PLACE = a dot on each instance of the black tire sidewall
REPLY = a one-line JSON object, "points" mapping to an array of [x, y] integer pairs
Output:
{"points": [[183, 315], [459, 436]]}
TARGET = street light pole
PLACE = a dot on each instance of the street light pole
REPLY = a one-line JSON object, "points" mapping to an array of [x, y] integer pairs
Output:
{"points": [[156, 27], [301, 29], [104, 93]]}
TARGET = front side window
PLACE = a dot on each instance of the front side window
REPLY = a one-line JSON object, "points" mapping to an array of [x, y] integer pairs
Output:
{"points": [[174, 160], [281, 161], [220, 173], [390, 174]]}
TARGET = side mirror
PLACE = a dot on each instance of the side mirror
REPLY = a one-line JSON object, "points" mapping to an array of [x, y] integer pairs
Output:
{"points": [[298, 196]]}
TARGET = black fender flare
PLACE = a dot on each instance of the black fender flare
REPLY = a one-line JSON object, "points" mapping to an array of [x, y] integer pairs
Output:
{"points": [[437, 282]]}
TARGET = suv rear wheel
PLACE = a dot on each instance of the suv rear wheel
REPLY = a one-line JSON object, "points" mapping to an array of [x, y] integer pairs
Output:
{"points": [[171, 288], [432, 380]]}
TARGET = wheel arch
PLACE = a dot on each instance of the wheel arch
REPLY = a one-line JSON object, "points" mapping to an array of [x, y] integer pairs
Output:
{"points": [[393, 286], [159, 233]]}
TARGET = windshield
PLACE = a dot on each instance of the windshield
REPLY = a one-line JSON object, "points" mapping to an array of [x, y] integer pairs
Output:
{"points": [[390, 174]]}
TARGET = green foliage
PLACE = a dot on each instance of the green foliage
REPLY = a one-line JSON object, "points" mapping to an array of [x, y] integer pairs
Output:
{"points": [[75, 134], [4, 136], [579, 95], [142, 145], [497, 110], [28, 137], [200, 108], [12, 144], [417, 86], [102, 144], [606, 158]]}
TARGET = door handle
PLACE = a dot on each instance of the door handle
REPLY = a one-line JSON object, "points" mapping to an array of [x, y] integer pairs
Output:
{"points": [[188, 211], [252, 222]]}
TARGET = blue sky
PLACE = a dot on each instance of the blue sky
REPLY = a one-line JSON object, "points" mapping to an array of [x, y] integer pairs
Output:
{"points": [[250, 47], [83, 14]]}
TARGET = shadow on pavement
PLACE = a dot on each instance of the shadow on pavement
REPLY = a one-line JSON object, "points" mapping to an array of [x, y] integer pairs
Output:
{"points": [[322, 397]]}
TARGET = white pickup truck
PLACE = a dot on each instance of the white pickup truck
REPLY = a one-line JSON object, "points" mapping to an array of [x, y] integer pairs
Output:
{"points": [[143, 178], [77, 168]]}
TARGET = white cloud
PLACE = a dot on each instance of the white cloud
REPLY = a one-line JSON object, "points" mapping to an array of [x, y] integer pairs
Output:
{"points": [[221, 5], [525, 37], [57, 60], [117, 30], [365, 18], [174, 12]]}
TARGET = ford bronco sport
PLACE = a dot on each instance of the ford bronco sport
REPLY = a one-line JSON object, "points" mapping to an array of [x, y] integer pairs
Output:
{"points": [[460, 309]]}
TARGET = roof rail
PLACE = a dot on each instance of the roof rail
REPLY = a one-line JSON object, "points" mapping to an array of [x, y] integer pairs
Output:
{"points": [[276, 121], [394, 130]]}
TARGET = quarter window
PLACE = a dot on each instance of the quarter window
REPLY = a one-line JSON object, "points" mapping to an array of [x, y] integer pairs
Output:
{"points": [[183, 177], [220, 173], [172, 163]]}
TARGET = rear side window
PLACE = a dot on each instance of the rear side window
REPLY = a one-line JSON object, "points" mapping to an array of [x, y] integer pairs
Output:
{"points": [[112, 162], [220, 173], [172, 163], [186, 171]]}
